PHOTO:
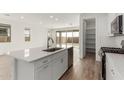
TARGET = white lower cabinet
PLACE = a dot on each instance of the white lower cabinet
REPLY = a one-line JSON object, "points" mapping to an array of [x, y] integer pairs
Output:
{"points": [[65, 63], [59, 66], [43, 72], [49, 68], [53, 68], [56, 69]]}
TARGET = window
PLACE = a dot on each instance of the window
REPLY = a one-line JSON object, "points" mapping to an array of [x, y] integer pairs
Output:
{"points": [[27, 34], [58, 39], [67, 38], [76, 39], [5, 33]]}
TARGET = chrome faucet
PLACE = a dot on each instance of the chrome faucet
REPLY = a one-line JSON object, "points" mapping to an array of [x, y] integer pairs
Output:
{"points": [[48, 39]]}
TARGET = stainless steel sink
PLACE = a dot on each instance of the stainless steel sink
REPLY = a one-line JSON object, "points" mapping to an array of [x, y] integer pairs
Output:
{"points": [[52, 49]]}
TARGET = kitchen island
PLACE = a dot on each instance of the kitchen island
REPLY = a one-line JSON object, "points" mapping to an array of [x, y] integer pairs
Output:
{"points": [[36, 64]]}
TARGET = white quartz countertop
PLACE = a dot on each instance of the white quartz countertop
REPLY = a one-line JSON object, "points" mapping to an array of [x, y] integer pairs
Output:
{"points": [[117, 60], [32, 54]]}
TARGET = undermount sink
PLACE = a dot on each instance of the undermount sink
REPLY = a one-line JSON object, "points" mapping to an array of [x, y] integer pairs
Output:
{"points": [[52, 49]]}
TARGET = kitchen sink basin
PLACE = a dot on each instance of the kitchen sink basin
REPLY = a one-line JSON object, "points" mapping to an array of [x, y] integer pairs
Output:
{"points": [[52, 49]]}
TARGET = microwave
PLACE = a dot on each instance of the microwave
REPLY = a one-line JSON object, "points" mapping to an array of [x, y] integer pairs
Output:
{"points": [[117, 25]]}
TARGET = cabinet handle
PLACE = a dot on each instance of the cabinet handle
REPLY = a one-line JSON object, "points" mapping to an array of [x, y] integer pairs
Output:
{"points": [[45, 61], [45, 66], [61, 60]]}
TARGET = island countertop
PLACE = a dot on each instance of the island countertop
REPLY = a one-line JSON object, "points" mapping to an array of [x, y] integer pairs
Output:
{"points": [[32, 54]]}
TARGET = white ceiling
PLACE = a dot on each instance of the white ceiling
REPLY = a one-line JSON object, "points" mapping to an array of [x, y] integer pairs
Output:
{"points": [[58, 20]]}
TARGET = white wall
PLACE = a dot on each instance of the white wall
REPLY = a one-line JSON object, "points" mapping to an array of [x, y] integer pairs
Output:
{"points": [[38, 35], [101, 31]]}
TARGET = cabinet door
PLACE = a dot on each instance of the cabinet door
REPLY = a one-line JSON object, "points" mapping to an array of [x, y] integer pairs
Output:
{"points": [[56, 69], [43, 73], [59, 66], [64, 64]]}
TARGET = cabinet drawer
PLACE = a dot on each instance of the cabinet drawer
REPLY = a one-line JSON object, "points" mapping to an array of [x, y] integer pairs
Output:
{"points": [[59, 66], [43, 72], [59, 54], [41, 62], [48, 59]]}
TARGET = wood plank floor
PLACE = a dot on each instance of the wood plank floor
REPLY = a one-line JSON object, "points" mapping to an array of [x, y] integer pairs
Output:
{"points": [[5, 68], [85, 69]]}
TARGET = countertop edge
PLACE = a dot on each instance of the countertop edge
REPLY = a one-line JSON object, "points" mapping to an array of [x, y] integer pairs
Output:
{"points": [[31, 61]]}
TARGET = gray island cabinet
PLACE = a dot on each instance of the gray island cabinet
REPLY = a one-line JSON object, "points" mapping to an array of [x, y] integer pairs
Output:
{"points": [[41, 66]]}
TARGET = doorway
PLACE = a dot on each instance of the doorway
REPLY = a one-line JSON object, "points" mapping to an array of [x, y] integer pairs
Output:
{"points": [[89, 36]]}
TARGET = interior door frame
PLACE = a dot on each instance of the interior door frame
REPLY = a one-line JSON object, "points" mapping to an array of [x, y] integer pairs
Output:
{"points": [[83, 36]]}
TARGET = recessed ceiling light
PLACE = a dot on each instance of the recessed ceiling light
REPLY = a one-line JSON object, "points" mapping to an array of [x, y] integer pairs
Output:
{"points": [[22, 17], [56, 19], [51, 16]]}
